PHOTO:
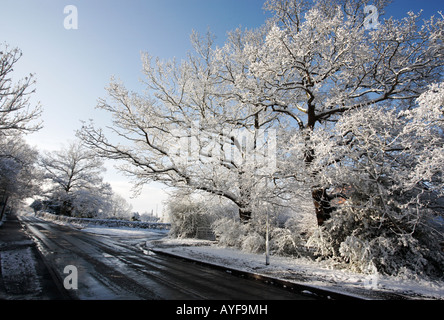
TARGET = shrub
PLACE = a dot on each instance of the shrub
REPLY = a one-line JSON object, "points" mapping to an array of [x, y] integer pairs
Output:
{"points": [[187, 215], [366, 240], [230, 232], [253, 242]]}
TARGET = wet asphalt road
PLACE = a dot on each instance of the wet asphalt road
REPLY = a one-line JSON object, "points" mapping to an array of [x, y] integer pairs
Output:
{"points": [[114, 268]]}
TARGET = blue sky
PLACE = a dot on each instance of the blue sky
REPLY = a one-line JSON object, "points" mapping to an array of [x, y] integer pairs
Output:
{"points": [[72, 67]]}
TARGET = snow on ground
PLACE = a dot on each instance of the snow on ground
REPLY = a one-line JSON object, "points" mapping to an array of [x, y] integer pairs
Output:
{"points": [[121, 232], [83, 222], [302, 270], [299, 270], [18, 271]]}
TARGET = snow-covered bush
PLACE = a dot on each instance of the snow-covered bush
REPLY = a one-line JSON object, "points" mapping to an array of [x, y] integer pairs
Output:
{"points": [[116, 207], [253, 242], [187, 215], [285, 240], [251, 238], [289, 239], [190, 212], [230, 232], [389, 167], [357, 253], [248, 237], [362, 241]]}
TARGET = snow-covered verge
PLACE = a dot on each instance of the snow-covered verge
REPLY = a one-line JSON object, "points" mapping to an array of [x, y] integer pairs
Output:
{"points": [[122, 231], [297, 270], [18, 272], [302, 271], [84, 222]]}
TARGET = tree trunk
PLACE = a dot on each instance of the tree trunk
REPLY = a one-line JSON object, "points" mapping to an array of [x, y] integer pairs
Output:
{"points": [[321, 199], [244, 215], [322, 204], [244, 200], [3, 206], [66, 208]]}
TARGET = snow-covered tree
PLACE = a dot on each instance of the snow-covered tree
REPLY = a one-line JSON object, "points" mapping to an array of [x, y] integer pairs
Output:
{"points": [[18, 171], [388, 166], [17, 117], [16, 113], [315, 61], [118, 208], [425, 127], [76, 185], [179, 133], [187, 215]]}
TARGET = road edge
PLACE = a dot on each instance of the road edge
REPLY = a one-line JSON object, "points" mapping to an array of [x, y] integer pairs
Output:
{"points": [[50, 277], [291, 286]]}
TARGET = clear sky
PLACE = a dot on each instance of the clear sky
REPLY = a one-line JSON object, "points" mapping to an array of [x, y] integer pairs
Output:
{"points": [[72, 67]]}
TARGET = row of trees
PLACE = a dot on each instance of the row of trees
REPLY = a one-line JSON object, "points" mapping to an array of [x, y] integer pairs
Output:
{"points": [[342, 104], [17, 117], [68, 181], [75, 187]]}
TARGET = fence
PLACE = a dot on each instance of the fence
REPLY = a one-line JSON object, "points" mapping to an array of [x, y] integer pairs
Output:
{"points": [[205, 234]]}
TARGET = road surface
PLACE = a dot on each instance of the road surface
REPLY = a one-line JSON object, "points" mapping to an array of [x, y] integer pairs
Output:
{"points": [[115, 267]]}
